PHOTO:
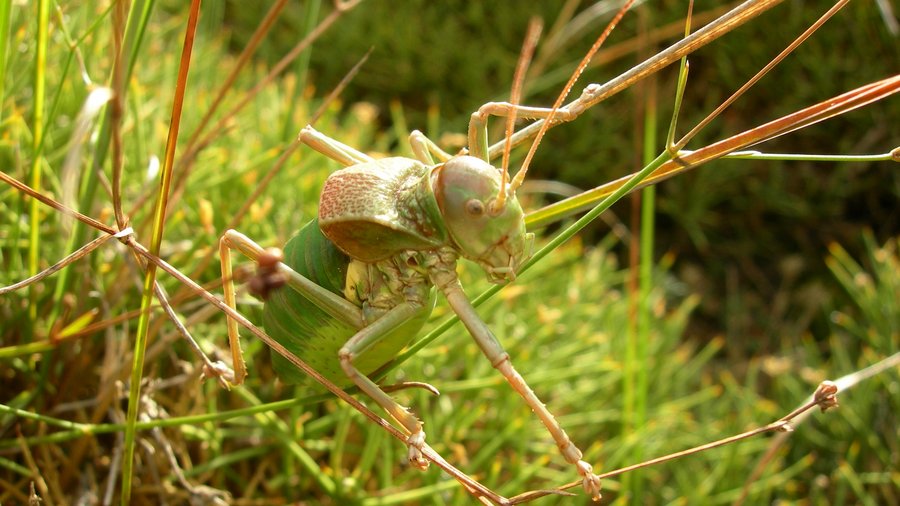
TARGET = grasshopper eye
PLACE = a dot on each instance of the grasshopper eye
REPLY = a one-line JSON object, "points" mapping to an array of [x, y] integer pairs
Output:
{"points": [[474, 207]]}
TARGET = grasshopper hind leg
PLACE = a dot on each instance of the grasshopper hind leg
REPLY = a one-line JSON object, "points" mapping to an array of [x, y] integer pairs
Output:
{"points": [[336, 150]]}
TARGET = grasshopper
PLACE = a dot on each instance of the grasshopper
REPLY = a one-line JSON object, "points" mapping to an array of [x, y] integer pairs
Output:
{"points": [[363, 273]]}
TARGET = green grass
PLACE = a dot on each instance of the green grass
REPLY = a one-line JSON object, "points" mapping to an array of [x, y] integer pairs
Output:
{"points": [[742, 327]]}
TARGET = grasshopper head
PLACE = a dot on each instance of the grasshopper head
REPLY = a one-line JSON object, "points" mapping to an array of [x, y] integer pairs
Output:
{"points": [[466, 188]]}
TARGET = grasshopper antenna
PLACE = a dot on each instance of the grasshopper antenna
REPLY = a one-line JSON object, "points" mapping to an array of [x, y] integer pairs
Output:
{"points": [[520, 176], [535, 25]]}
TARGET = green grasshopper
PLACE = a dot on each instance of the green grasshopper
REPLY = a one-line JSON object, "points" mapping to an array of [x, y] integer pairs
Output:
{"points": [[363, 273], [388, 233]]}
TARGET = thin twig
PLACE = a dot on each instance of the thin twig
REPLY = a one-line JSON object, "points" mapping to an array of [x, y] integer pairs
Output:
{"points": [[843, 383], [825, 397], [593, 94], [22, 187], [77, 254], [688, 160], [759, 75], [186, 334]]}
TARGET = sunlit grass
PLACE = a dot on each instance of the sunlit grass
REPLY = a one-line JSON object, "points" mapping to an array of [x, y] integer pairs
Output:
{"points": [[565, 323]]}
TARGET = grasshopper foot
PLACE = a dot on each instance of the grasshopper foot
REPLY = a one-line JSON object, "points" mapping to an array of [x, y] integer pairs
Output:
{"points": [[416, 441], [589, 481]]}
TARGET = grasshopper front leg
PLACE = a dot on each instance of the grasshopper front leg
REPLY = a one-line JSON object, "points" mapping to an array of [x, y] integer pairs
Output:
{"points": [[335, 306], [445, 278]]}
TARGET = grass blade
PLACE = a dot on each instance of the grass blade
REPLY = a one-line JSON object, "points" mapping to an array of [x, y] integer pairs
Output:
{"points": [[40, 68], [159, 215]]}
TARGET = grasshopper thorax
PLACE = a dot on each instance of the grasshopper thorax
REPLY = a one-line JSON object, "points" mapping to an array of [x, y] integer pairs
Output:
{"points": [[465, 188]]}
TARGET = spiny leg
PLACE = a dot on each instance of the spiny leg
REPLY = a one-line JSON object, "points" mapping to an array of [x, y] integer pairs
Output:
{"points": [[448, 283], [237, 354], [332, 304], [331, 148], [363, 341]]}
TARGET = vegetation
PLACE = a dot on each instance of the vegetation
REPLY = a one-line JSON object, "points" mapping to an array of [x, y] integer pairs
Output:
{"points": [[767, 276]]}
